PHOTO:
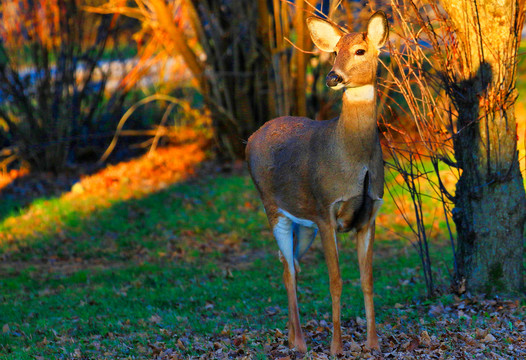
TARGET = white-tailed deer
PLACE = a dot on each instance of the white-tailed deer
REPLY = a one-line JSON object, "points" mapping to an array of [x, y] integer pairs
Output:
{"points": [[327, 175]]}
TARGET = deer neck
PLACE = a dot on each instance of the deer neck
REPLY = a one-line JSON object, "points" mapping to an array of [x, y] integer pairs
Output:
{"points": [[357, 128]]}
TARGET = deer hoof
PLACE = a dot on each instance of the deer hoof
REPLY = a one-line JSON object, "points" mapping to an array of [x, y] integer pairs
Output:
{"points": [[373, 344], [300, 346], [336, 347]]}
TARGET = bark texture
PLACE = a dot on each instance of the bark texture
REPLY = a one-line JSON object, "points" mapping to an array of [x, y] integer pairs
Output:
{"points": [[235, 80], [490, 203], [301, 58]]}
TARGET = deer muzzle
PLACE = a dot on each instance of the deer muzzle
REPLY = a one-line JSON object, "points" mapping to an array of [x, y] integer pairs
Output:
{"points": [[333, 79]]}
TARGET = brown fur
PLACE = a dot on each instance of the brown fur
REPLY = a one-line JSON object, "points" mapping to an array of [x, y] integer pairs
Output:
{"points": [[356, 70]]}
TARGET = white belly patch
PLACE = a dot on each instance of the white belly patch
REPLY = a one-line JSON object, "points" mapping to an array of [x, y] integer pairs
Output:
{"points": [[302, 222]]}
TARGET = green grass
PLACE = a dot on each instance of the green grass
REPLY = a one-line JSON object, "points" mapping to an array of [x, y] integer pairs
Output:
{"points": [[185, 263]]}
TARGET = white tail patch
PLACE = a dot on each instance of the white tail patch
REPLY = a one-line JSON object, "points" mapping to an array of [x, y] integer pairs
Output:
{"points": [[283, 234], [302, 222], [361, 93]]}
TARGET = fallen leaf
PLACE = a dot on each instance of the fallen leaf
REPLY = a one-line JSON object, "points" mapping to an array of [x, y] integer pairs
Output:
{"points": [[249, 206], [436, 310], [180, 344], [155, 319], [355, 347], [5, 328], [226, 330], [481, 334], [489, 339], [240, 340], [411, 345], [425, 339]]}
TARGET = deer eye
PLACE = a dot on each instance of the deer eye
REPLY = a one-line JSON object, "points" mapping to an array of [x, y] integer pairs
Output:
{"points": [[360, 52]]}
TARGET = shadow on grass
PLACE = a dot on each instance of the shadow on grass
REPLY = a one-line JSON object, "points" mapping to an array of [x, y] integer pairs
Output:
{"points": [[28, 188]]}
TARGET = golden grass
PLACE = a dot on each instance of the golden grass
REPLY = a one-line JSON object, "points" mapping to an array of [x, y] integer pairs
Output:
{"points": [[135, 178]]}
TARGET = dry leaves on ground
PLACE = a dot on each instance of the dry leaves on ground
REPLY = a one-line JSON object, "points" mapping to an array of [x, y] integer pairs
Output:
{"points": [[469, 328]]}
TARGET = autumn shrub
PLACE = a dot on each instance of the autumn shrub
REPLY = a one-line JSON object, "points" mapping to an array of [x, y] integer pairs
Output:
{"points": [[53, 84]]}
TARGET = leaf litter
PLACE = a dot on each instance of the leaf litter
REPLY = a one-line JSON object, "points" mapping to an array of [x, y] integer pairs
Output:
{"points": [[467, 328]]}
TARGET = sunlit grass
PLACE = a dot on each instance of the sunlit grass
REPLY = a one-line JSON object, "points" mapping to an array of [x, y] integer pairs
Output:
{"points": [[51, 218]]}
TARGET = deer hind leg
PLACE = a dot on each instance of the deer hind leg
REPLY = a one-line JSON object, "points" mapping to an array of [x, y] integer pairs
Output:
{"points": [[283, 233], [365, 240], [303, 238], [330, 248]]}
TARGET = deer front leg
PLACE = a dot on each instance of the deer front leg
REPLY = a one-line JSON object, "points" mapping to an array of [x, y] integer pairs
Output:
{"points": [[330, 248], [282, 230], [365, 238]]}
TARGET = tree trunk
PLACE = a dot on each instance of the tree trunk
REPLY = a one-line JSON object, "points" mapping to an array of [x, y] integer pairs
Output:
{"points": [[303, 42], [234, 36], [490, 203]]}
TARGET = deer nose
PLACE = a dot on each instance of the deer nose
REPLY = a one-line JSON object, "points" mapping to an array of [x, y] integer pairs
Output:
{"points": [[333, 79]]}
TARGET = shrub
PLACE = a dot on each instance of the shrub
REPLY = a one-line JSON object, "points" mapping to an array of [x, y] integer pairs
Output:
{"points": [[52, 80]]}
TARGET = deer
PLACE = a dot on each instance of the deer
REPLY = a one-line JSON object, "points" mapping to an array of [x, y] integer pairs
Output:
{"points": [[327, 176]]}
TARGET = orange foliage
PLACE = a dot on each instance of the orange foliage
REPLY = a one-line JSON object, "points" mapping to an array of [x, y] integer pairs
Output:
{"points": [[520, 110], [149, 173], [10, 176], [166, 34], [34, 20]]}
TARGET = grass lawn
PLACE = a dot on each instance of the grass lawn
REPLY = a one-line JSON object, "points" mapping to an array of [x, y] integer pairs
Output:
{"points": [[186, 262]]}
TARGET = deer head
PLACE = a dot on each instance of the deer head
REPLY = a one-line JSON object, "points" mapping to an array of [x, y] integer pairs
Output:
{"points": [[356, 53]]}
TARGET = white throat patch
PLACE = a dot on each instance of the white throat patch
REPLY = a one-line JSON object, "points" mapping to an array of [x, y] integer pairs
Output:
{"points": [[362, 93]]}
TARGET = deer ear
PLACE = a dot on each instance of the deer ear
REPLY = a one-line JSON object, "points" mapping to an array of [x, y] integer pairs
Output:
{"points": [[323, 34], [378, 29]]}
